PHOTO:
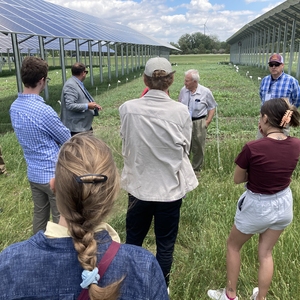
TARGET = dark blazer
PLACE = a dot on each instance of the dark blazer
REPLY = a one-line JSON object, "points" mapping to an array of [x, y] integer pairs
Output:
{"points": [[74, 100]]}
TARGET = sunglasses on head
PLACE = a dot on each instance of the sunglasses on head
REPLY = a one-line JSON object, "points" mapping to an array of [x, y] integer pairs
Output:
{"points": [[275, 64], [46, 79]]}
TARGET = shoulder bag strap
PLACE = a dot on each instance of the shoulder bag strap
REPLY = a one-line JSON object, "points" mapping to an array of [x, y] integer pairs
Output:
{"points": [[103, 265]]}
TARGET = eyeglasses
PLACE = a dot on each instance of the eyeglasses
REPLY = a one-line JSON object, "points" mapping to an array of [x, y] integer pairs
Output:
{"points": [[271, 65], [86, 72]]}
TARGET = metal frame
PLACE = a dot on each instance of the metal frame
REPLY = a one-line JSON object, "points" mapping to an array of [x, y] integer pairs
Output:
{"points": [[60, 28], [278, 30]]}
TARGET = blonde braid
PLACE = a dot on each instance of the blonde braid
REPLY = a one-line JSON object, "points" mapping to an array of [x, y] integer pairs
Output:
{"points": [[84, 204]]}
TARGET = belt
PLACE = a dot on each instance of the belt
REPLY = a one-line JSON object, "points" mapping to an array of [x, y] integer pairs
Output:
{"points": [[202, 117]]}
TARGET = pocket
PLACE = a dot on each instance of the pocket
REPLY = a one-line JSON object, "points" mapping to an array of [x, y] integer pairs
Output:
{"points": [[198, 105], [240, 203], [241, 200]]}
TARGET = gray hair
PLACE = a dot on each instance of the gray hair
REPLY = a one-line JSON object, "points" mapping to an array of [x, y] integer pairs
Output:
{"points": [[194, 73]]}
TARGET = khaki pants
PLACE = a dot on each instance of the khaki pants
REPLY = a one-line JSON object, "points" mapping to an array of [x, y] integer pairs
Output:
{"points": [[44, 201], [198, 143]]}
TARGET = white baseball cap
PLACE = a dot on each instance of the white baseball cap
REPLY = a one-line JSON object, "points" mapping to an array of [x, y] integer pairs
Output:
{"points": [[158, 63]]}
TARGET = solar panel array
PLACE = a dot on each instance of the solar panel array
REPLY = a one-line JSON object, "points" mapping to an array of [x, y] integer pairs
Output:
{"points": [[282, 14], [31, 45], [41, 18]]}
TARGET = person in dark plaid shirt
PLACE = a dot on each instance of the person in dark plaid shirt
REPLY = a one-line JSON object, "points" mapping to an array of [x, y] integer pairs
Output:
{"points": [[278, 84]]}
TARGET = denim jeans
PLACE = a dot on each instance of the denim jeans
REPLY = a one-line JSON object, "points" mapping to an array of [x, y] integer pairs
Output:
{"points": [[44, 201], [166, 219]]}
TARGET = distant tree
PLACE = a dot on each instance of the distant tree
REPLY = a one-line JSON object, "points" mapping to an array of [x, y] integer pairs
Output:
{"points": [[174, 45], [185, 43], [175, 51], [225, 46], [201, 49], [198, 43], [215, 41]]}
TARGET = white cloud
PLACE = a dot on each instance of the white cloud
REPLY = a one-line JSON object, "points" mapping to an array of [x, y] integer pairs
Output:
{"points": [[203, 5], [174, 20], [271, 6], [154, 18]]}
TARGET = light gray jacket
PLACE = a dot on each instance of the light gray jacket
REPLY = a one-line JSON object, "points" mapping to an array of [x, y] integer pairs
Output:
{"points": [[156, 135], [73, 113]]}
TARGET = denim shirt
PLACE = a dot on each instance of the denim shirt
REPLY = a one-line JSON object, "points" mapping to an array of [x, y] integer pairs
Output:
{"points": [[47, 268]]}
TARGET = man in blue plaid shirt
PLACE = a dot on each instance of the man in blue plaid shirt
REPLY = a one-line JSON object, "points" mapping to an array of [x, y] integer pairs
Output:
{"points": [[40, 134], [278, 84]]}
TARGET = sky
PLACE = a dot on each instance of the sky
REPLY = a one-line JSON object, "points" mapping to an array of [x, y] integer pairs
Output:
{"points": [[168, 20]]}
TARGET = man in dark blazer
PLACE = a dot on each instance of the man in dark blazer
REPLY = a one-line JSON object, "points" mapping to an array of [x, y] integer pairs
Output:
{"points": [[77, 105]]}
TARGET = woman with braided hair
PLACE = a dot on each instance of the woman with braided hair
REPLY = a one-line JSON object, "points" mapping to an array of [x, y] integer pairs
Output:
{"points": [[266, 207], [79, 258]]}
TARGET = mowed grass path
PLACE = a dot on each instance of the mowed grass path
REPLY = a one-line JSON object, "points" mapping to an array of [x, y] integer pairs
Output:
{"points": [[207, 212]]}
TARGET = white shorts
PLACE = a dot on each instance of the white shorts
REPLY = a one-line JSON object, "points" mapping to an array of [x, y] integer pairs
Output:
{"points": [[256, 213]]}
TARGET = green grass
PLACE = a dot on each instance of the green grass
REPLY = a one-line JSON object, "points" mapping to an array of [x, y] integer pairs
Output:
{"points": [[207, 212]]}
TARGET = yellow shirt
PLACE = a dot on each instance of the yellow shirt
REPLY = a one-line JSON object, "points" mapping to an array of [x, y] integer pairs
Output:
{"points": [[54, 230]]}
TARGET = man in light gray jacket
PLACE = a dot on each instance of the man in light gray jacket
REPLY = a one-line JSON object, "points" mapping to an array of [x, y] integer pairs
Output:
{"points": [[156, 136], [77, 105]]}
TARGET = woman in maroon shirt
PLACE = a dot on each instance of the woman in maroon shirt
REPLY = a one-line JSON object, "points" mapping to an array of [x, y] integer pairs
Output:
{"points": [[266, 207]]}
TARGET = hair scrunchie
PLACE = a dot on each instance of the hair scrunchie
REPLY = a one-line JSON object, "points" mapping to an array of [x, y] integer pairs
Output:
{"points": [[89, 277]]}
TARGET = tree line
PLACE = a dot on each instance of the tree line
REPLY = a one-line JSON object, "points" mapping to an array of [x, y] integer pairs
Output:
{"points": [[199, 43]]}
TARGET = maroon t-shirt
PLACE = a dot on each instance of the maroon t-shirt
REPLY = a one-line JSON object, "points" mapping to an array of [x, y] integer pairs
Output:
{"points": [[145, 91], [269, 163]]}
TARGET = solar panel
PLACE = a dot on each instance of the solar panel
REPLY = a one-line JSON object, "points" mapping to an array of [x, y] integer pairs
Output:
{"points": [[33, 44], [25, 22], [39, 17]]}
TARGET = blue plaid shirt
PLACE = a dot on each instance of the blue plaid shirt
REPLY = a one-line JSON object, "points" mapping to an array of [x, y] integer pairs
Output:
{"points": [[40, 133], [284, 86]]}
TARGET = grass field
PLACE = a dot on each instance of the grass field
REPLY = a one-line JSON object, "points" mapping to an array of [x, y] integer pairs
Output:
{"points": [[207, 212]]}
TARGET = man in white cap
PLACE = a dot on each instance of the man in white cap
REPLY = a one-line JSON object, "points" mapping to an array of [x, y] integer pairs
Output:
{"points": [[157, 174], [278, 84]]}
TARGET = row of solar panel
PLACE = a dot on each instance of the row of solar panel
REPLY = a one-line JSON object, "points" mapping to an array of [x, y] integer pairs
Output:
{"points": [[32, 45], [39, 17]]}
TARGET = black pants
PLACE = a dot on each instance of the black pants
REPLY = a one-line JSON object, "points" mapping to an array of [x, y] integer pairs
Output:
{"points": [[166, 219], [73, 132]]}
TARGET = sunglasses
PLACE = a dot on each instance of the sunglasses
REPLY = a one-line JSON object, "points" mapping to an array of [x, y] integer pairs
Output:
{"points": [[86, 72], [274, 65], [46, 79]]}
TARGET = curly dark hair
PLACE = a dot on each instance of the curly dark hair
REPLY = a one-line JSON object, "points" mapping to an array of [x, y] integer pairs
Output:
{"points": [[33, 70]]}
